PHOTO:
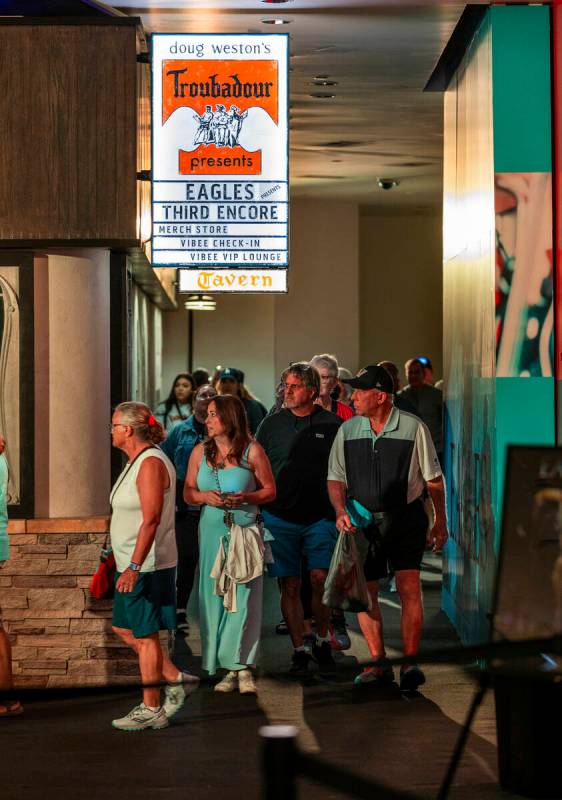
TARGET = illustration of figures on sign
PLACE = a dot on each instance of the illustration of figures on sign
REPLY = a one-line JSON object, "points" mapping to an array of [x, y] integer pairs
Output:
{"points": [[220, 127]]}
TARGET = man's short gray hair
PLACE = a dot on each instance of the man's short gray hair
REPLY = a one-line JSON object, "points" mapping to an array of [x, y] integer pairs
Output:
{"points": [[306, 373], [326, 361]]}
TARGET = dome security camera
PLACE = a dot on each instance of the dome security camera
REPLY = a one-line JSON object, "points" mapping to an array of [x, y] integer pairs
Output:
{"points": [[387, 183]]}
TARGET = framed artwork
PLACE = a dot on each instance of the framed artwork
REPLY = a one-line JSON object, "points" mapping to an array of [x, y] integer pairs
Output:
{"points": [[528, 598]]}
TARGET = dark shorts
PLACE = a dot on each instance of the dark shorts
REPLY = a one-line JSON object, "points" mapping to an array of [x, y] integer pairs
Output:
{"points": [[396, 544], [150, 607]]}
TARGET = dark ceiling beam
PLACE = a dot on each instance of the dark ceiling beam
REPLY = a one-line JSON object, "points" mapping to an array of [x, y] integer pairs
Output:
{"points": [[451, 57]]}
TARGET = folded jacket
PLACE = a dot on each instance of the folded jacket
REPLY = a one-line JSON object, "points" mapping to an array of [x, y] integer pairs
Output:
{"points": [[239, 559]]}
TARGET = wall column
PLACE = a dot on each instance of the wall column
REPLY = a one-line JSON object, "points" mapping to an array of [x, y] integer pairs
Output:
{"points": [[72, 399]]}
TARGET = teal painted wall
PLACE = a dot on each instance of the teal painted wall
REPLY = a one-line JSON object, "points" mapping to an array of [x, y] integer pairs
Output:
{"points": [[521, 88], [525, 415]]}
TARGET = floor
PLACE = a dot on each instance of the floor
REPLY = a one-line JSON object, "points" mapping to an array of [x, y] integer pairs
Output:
{"points": [[66, 748]]}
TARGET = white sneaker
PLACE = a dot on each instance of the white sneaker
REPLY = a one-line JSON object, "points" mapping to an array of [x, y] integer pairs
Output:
{"points": [[142, 717], [175, 693], [246, 683], [228, 684]]}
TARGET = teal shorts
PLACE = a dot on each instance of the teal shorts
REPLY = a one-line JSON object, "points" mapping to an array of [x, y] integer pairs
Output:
{"points": [[150, 607]]}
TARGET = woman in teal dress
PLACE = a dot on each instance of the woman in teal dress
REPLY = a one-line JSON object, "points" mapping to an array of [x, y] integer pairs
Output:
{"points": [[230, 476]]}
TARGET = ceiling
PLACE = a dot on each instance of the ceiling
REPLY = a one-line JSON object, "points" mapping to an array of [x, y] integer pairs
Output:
{"points": [[380, 122]]}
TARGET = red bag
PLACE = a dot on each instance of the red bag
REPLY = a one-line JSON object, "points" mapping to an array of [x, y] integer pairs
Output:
{"points": [[102, 585]]}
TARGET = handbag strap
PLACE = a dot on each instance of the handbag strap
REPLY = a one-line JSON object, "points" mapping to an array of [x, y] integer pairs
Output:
{"points": [[228, 516], [216, 477]]}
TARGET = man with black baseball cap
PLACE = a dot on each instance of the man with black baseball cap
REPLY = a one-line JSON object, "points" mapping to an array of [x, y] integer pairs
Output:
{"points": [[380, 463]]}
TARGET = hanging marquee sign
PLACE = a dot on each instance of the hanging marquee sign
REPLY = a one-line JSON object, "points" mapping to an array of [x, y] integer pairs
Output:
{"points": [[220, 169]]}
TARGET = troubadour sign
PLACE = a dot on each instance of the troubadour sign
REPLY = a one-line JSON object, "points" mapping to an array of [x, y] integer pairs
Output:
{"points": [[220, 173]]}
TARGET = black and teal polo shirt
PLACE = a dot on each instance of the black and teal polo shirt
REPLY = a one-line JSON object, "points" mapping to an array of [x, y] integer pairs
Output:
{"points": [[388, 471]]}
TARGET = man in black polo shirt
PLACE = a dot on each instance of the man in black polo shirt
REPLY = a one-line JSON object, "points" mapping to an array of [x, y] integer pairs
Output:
{"points": [[380, 464], [297, 441]]}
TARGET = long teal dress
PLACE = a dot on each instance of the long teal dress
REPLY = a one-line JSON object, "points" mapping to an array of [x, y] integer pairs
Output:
{"points": [[228, 639]]}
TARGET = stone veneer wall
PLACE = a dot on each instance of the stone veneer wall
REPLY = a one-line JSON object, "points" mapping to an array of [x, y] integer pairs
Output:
{"points": [[60, 635]]}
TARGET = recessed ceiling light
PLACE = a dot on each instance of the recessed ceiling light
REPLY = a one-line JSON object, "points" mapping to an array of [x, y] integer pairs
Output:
{"points": [[276, 21], [322, 95], [387, 183], [317, 82]]}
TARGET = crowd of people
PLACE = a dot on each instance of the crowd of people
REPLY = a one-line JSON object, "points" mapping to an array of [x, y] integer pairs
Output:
{"points": [[214, 480]]}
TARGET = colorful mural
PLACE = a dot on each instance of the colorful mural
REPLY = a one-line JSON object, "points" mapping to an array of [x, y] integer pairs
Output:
{"points": [[524, 294]]}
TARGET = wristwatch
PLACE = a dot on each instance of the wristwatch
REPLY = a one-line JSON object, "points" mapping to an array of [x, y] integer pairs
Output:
{"points": [[134, 567]]}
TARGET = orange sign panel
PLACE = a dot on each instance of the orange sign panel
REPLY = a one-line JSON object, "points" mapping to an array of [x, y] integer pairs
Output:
{"points": [[219, 161], [203, 84]]}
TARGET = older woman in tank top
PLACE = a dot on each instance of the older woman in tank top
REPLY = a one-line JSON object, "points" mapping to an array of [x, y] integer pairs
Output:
{"points": [[144, 546]]}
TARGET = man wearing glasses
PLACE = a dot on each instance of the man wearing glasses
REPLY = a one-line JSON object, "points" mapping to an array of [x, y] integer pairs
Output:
{"points": [[297, 441]]}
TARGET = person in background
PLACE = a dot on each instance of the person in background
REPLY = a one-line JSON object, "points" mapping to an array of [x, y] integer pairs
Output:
{"points": [[177, 406], [178, 447], [215, 377], [345, 391], [380, 465], [427, 401], [144, 545], [230, 476], [279, 398], [8, 708], [327, 367], [400, 401], [201, 377], [297, 441], [231, 381], [427, 370]]}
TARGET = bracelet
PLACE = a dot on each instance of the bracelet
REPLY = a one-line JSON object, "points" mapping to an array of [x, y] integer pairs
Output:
{"points": [[134, 567]]}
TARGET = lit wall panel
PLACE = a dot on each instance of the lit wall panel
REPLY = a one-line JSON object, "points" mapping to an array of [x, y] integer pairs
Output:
{"points": [[469, 352]]}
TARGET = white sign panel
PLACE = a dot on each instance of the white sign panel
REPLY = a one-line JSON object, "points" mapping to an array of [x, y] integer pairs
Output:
{"points": [[220, 172]]}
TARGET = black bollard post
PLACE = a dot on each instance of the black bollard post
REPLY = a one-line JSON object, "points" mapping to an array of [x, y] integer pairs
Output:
{"points": [[279, 762]]}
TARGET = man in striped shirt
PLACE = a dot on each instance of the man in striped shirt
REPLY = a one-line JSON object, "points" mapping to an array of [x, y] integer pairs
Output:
{"points": [[380, 464]]}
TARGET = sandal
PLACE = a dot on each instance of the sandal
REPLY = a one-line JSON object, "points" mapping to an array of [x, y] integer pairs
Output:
{"points": [[12, 709]]}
